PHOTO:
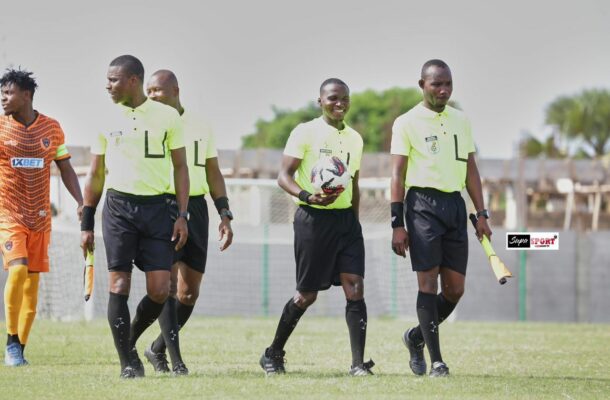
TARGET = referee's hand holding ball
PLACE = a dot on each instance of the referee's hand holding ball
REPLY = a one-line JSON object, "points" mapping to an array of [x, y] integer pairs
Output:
{"points": [[321, 199]]}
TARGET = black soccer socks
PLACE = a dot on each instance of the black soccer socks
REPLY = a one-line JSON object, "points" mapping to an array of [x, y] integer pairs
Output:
{"points": [[427, 314], [183, 313], [444, 309], [356, 318], [118, 318], [12, 339], [146, 313], [288, 321], [168, 321]]}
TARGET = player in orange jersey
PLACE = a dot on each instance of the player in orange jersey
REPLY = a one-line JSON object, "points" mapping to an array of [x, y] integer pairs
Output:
{"points": [[29, 142]]}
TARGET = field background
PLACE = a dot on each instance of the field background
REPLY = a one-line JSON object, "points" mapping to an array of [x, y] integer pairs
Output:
{"points": [[77, 360]]}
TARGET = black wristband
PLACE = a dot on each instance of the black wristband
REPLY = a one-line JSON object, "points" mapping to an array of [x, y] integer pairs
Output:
{"points": [[397, 212], [220, 203], [304, 196], [87, 221]]}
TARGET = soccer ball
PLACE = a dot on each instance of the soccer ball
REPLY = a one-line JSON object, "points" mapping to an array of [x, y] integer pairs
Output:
{"points": [[330, 175]]}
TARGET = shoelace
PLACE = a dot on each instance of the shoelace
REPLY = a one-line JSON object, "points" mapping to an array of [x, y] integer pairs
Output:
{"points": [[161, 358], [277, 357], [277, 361]]}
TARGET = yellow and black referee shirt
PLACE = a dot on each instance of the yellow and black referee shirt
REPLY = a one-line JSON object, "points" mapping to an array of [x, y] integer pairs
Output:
{"points": [[437, 146], [312, 140], [136, 143], [200, 145]]}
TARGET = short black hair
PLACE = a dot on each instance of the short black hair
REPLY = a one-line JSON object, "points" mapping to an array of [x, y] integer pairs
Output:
{"points": [[434, 62], [131, 64], [20, 77], [331, 81]]}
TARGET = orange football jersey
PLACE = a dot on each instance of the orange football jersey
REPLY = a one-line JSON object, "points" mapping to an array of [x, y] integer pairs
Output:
{"points": [[26, 154]]}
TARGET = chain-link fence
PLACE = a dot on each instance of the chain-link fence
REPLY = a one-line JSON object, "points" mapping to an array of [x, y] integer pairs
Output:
{"points": [[256, 275]]}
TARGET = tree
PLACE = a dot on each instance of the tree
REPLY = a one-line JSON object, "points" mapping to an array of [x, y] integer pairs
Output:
{"points": [[274, 133], [584, 117], [531, 147], [371, 113]]}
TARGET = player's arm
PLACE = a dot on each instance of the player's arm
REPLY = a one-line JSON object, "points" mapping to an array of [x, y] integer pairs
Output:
{"points": [[94, 186], [475, 191], [286, 181], [181, 182], [356, 194], [400, 236], [218, 191], [70, 180]]}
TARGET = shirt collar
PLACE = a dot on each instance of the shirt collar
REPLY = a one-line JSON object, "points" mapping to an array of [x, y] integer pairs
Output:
{"points": [[141, 108], [330, 127], [13, 121], [428, 113]]}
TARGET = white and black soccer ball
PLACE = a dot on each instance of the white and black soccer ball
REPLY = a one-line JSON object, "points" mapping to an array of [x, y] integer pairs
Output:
{"points": [[330, 175]]}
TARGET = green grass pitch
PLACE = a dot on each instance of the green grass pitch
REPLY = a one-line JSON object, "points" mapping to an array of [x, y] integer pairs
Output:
{"points": [[487, 361]]}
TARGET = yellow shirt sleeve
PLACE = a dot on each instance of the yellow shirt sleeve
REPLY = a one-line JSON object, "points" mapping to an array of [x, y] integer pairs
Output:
{"points": [[99, 145], [175, 136], [296, 145], [211, 150], [470, 141], [400, 144], [356, 160]]}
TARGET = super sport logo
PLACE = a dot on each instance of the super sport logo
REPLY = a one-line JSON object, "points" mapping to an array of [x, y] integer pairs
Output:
{"points": [[21, 162]]}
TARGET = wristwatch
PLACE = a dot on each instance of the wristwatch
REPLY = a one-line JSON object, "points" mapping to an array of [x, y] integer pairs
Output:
{"points": [[184, 214], [483, 213], [226, 213]]}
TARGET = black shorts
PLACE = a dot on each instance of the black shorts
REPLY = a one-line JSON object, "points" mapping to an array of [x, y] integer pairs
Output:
{"points": [[137, 231], [326, 243], [436, 222], [195, 251]]}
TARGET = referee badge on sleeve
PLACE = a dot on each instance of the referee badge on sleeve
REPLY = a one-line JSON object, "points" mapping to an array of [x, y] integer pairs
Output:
{"points": [[433, 144]]}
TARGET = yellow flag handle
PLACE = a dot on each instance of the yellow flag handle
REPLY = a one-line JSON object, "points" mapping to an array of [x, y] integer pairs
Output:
{"points": [[489, 251], [497, 265]]}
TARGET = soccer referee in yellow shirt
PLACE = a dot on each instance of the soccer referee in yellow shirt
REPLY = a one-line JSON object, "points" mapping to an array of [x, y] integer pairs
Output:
{"points": [[433, 157], [138, 144], [205, 179], [328, 243]]}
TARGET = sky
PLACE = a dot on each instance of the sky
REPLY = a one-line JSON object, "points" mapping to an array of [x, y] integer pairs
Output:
{"points": [[235, 60]]}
